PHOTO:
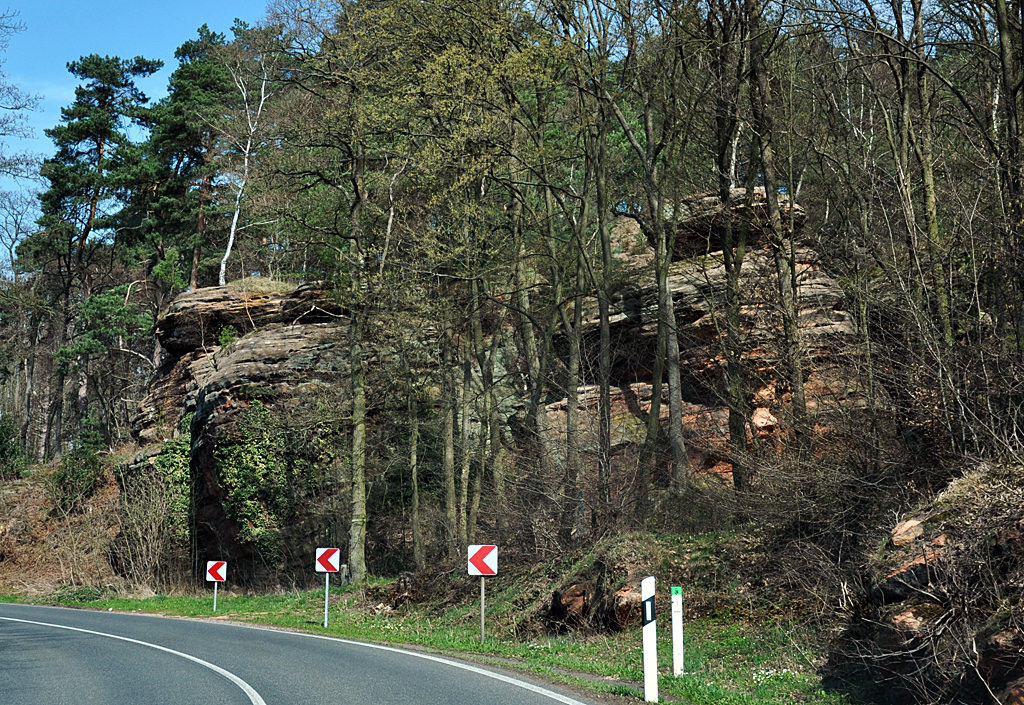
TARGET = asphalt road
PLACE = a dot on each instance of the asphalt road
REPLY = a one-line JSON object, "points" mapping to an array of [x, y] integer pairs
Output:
{"points": [[53, 656]]}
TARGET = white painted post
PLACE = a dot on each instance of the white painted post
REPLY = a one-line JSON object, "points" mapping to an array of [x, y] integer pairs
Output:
{"points": [[677, 632], [215, 597], [327, 592], [650, 638], [482, 610]]}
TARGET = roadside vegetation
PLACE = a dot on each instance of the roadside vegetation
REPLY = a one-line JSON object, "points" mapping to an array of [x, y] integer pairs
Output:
{"points": [[739, 649], [724, 292]]}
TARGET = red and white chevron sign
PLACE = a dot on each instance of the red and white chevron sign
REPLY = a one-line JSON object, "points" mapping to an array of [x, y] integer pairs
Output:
{"points": [[483, 560], [328, 560], [216, 571]]}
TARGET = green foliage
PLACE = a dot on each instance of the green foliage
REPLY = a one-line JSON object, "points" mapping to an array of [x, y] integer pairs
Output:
{"points": [[174, 463], [228, 335], [94, 159], [178, 208], [254, 473], [74, 481], [12, 455], [106, 319], [168, 272], [92, 439]]}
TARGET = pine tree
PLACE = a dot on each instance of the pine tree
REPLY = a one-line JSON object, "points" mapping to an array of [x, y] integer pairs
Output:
{"points": [[94, 163], [89, 166]]}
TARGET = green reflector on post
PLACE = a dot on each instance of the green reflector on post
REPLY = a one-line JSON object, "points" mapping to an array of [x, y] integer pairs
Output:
{"points": [[677, 591]]}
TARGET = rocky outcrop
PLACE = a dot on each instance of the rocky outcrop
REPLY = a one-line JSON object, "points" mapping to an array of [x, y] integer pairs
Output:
{"points": [[291, 346], [698, 285], [699, 221], [197, 319], [277, 343]]}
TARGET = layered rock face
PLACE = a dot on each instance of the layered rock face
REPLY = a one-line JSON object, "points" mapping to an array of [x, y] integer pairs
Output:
{"points": [[228, 346], [697, 281], [291, 344], [277, 342], [700, 219]]}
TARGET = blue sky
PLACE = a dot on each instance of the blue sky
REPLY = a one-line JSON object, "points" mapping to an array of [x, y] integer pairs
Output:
{"points": [[59, 31]]}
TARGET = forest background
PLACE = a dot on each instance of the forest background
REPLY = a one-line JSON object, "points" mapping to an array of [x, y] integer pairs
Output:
{"points": [[454, 174]]}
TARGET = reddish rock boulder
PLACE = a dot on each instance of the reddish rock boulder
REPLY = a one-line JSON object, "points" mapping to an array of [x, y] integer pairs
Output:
{"points": [[907, 531]]}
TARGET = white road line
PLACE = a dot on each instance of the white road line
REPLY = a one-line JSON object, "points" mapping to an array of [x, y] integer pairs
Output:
{"points": [[456, 664], [254, 697]]}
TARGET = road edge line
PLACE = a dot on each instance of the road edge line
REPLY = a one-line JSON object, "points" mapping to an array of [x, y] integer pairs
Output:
{"points": [[250, 692]]}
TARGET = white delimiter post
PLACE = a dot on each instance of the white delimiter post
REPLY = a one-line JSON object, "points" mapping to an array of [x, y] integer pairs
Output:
{"points": [[677, 632], [650, 641]]}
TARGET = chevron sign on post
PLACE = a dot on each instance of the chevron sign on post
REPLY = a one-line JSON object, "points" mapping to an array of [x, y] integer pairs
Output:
{"points": [[328, 560], [483, 560], [216, 572]]}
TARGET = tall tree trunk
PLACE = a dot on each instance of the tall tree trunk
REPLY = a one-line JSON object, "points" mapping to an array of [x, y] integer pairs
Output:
{"points": [[604, 312], [925, 154], [478, 478], [451, 509], [680, 459], [494, 455], [728, 68], [464, 443], [785, 265], [1009, 89], [28, 405], [574, 508], [414, 438], [531, 352], [647, 463], [357, 529], [565, 492], [663, 256]]}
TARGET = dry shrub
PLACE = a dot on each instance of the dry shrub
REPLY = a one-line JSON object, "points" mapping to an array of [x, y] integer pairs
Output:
{"points": [[941, 620], [148, 551]]}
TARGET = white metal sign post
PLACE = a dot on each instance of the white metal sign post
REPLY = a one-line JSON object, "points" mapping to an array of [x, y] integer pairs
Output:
{"points": [[216, 572], [677, 632], [327, 561], [650, 638], [482, 560]]}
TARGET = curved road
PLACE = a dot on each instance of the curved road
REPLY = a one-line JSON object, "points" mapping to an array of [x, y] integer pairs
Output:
{"points": [[53, 656]]}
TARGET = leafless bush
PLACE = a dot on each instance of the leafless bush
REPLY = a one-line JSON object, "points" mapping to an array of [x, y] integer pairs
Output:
{"points": [[147, 551]]}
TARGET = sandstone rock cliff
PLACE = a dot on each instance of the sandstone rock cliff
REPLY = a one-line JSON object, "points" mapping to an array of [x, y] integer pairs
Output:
{"points": [[293, 345], [292, 342], [698, 283]]}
